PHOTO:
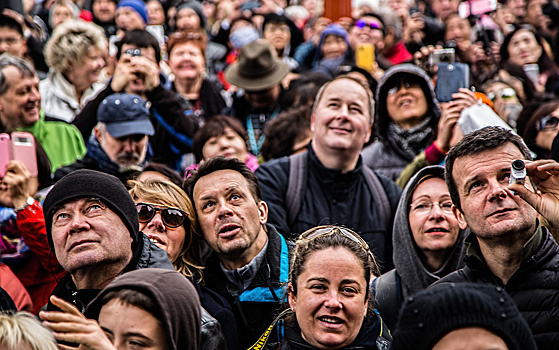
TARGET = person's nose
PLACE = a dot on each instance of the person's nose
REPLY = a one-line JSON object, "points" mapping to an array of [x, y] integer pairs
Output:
{"points": [[78, 223], [157, 223], [332, 301], [224, 143], [34, 94], [436, 213], [224, 209], [128, 145], [497, 190]]}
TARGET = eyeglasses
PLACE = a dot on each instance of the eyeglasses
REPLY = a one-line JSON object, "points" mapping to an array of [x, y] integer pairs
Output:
{"points": [[361, 23], [505, 94], [321, 231], [172, 217], [399, 84], [547, 123], [426, 207]]}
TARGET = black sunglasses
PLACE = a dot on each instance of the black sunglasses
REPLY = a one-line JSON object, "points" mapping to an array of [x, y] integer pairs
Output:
{"points": [[172, 217]]}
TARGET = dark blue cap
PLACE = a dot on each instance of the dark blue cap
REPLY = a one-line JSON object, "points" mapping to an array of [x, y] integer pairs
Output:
{"points": [[125, 114]]}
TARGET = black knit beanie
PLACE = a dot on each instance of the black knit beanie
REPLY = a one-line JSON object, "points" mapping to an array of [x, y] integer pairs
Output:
{"points": [[431, 314], [90, 183]]}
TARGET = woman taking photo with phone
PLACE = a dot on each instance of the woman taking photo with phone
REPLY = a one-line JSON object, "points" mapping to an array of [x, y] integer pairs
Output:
{"points": [[328, 294]]}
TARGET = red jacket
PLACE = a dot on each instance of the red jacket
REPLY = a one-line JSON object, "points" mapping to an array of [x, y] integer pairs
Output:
{"points": [[40, 273], [15, 289]]}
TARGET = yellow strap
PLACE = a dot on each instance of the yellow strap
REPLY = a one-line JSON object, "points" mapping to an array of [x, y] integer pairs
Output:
{"points": [[259, 345]]}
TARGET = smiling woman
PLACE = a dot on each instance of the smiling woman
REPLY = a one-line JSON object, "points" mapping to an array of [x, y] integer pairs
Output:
{"points": [[76, 54], [427, 238], [406, 119], [329, 294]]}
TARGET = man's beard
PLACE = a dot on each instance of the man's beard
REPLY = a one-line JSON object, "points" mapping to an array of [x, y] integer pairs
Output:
{"points": [[128, 161]]}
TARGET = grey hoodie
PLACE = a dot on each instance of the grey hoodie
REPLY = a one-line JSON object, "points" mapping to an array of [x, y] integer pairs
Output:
{"points": [[413, 275]]}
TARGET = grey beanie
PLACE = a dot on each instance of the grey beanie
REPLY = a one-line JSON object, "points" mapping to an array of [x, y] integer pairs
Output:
{"points": [[87, 184]]}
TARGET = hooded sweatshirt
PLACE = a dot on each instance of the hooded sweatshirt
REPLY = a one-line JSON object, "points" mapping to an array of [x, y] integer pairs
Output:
{"points": [[395, 146], [175, 297], [412, 274]]}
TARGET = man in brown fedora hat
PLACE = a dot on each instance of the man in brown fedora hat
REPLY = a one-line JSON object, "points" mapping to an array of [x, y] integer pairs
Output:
{"points": [[259, 72]]}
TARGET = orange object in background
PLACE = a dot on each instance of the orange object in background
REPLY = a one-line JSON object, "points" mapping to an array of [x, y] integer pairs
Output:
{"points": [[335, 9]]}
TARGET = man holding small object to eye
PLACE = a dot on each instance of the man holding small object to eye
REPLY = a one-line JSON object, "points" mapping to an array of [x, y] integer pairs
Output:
{"points": [[508, 246]]}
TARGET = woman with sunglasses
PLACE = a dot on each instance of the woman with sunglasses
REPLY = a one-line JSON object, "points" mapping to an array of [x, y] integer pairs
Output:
{"points": [[427, 242], [167, 217], [406, 118], [542, 128], [328, 293]]}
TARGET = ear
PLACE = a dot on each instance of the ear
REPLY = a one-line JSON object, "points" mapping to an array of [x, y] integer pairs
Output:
{"points": [[291, 297], [98, 134], [460, 217], [312, 123], [263, 212]]}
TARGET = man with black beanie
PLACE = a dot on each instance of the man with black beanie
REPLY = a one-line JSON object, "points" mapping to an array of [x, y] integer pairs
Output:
{"points": [[92, 227]]}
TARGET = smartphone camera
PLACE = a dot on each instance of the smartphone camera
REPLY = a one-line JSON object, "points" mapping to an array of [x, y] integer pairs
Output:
{"points": [[134, 52]]}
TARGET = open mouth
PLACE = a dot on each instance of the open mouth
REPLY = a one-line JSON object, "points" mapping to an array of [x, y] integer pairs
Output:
{"points": [[405, 102], [156, 240], [331, 320], [228, 230]]}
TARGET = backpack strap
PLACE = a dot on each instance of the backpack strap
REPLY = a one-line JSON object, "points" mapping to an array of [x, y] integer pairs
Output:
{"points": [[379, 195], [298, 173]]}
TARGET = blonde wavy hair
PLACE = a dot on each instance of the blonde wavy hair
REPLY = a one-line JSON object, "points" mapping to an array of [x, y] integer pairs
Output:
{"points": [[22, 328], [166, 193], [70, 43]]}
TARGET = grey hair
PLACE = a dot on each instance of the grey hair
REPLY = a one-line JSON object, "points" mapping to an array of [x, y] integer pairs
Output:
{"points": [[25, 67], [70, 43], [391, 20], [367, 90]]}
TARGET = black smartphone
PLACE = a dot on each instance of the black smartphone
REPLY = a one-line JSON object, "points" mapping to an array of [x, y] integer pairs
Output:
{"points": [[450, 78]]}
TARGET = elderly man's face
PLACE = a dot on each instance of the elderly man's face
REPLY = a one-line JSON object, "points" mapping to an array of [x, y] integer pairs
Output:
{"points": [[489, 208], [341, 121], [21, 103], [12, 42], [126, 151], [86, 233]]}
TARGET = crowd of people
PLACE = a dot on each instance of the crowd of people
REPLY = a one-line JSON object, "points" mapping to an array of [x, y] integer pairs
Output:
{"points": [[233, 174]]}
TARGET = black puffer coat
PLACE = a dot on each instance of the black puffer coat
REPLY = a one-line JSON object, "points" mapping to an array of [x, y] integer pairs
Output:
{"points": [[534, 287]]}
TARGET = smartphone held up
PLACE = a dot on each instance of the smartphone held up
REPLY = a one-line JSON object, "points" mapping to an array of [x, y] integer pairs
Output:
{"points": [[19, 146]]}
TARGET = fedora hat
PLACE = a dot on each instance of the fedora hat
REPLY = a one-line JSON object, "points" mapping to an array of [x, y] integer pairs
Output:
{"points": [[258, 67]]}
